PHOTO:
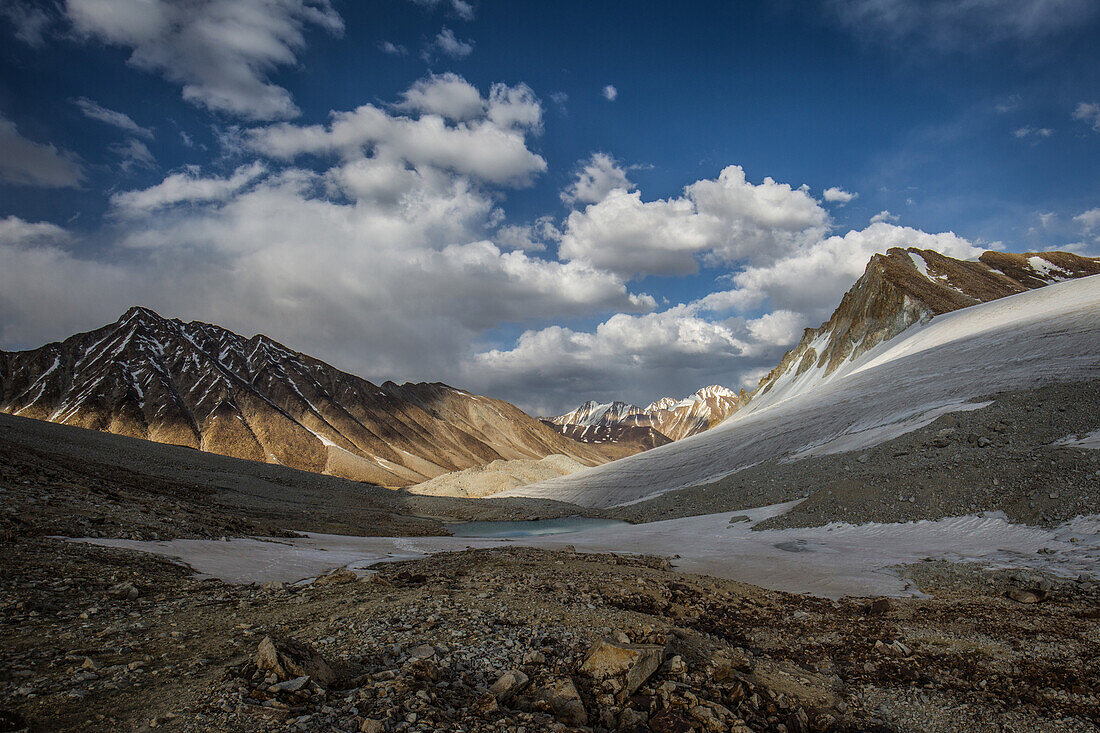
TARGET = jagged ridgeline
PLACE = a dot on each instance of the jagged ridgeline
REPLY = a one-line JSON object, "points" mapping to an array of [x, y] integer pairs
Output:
{"points": [[202, 386]]}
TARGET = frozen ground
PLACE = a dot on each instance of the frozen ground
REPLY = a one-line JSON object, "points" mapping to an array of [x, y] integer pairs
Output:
{"points": [[1039, 337], [832, 561]]}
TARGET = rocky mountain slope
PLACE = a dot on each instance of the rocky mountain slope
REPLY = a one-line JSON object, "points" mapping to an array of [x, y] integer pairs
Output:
{"points": [[669, 418], [204, 387], [904, 287]]}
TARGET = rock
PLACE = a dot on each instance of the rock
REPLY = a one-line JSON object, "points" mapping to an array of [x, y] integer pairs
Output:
{"points": [[291, 685], [485, 704], [123, 591], [894, 648], [89, 664], [676, 665], [630, 718], [424, 651], [724, 665], [670, 722], [863, 458], [1022, 596], [632, 663], [369, 725], [564, 700], [509, 683], [740, 518], [336, 577], [287, 659], [534, 658], [877, 607]]}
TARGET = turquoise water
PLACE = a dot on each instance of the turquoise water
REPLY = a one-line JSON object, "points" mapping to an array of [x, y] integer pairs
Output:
{"points": [[532, 528]]}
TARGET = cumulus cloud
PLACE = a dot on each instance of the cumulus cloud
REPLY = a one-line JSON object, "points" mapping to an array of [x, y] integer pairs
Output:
{"points": [[393, 49], [954, 24], [811, 279], [610, 93], [489, 145], [221, 52], [884, 215], [720, 220], [838, 195], [449, 45], [95, 111], [27, 163], [596, 177], [1089, 220], [1089, 113]]}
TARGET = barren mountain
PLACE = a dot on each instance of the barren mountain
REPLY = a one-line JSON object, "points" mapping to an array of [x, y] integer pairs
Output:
{"points": [[903, 287], [202, 386]]}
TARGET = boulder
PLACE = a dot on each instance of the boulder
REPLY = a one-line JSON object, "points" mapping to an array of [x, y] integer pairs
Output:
{"points": [[509, 683], [631, 664], [561, 696], [336, 577], [288, 659]]}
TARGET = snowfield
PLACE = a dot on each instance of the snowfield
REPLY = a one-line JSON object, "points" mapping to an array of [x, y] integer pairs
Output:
{"points": [[1039, 337], [831, 561]]}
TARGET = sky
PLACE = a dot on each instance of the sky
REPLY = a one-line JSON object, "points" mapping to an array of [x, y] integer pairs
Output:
{"points": [[542, 202]]}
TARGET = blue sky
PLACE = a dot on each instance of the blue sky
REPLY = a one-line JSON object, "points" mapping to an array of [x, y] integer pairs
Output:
{"points": [[392, 186]]}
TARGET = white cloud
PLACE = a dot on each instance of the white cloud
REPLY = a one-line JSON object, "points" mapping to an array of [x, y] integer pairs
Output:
{"points": [[1089, 113], [449, 45], [838, 195], [393, 49], [952, 24], [721, 220], [595, 179], [610, 93], [185, 187], [29, 22], [134, 154], [27, 163], [448, 95], [1089, 220], [884, 216], [811, 279], [491, 147], [1027, 131], [221, 52], [94, 110]]}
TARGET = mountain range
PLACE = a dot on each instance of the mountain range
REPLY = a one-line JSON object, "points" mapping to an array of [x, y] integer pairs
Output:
{"points": [[205, 387]]}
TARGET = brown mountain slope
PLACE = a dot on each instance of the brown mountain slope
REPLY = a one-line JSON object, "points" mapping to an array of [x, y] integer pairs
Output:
{"points": [[903, 287], [202, 386]]}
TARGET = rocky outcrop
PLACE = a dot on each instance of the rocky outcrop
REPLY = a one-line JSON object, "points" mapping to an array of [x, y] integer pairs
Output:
{"points": [[904, 287], [204, 387]]}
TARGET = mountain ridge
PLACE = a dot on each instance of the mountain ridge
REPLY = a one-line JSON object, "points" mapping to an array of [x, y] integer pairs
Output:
{"points": [[202, 386]]}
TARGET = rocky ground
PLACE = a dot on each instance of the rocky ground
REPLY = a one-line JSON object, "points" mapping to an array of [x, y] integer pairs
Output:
{"points": [[1001, 457], [523, 639]]}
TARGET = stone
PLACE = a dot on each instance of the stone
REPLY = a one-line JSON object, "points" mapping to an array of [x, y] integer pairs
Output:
{"points": [[424, 651], [370, 725], [736, 518], [630, 718], [633, 663], [676, 665], [564, 700], [509, 683], [337, 577], [287, 659], [877, 607], [1022, 596], [123, 591], [291, 685]]}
